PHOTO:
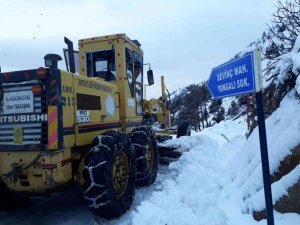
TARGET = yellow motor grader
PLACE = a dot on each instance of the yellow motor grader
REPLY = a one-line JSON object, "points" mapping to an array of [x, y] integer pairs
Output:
{"points": [[157, 114], [83, 125], [158, 109]]}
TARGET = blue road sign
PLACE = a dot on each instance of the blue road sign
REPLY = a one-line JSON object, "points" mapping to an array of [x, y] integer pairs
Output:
{"points": [[236, 77], [242, 76]]}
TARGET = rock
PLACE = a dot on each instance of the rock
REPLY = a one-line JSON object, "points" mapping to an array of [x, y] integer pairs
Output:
{"points": [[289, 203]]}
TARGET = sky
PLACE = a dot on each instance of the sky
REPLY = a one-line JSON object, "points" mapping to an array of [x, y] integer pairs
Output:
{"points": [[183, 40]]}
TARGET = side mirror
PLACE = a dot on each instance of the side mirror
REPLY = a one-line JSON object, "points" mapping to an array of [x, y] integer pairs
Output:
{"points": [[150, 77]]}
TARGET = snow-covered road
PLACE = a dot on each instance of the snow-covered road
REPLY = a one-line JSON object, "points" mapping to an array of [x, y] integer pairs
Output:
{"points": [[69, 207]]}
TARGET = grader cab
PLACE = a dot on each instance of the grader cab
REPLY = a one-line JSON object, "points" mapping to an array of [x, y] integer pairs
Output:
{"points": [[60, 127]]}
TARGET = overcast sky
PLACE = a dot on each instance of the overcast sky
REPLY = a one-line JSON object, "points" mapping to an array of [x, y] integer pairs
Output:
{"points": [[183, 40]]}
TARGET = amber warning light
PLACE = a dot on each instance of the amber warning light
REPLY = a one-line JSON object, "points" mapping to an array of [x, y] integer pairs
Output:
{"points": [[37, 89], [41, 73]]}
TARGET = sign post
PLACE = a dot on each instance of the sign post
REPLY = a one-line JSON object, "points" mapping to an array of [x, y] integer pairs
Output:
{"points": [[243, 76]]}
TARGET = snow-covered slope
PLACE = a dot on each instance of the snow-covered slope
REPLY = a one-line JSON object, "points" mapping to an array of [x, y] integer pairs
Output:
{"points": [[283, 132], [219, 180]]}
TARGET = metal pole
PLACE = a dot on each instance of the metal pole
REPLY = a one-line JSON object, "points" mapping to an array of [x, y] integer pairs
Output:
{"points": [[248, 112], [145, 85], [264, 157], [163, 94]]}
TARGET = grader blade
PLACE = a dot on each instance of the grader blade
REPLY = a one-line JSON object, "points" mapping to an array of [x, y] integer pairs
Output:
{"points": [[167, 153]]}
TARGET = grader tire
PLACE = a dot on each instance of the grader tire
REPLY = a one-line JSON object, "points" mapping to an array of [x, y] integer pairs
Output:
{"points": [[7, 198], [146, 150], [184, 129], [109, 175]]}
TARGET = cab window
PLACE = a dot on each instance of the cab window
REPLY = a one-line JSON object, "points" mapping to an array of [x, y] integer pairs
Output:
{"points": [[134, 68], [139, 98], [101, 64], [138, 80], [138, 68], [129, 70]]}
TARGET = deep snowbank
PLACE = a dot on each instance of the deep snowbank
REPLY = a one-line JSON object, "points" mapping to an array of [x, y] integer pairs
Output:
{"points": [[219, 180]]}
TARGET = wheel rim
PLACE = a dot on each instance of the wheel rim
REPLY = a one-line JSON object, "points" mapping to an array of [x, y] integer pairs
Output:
{"points": [[150, 156], [120, 173]]}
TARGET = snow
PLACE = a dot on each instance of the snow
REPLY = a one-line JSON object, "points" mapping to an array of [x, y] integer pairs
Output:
{"points": [[226, 103], [279, 189], [283, 65], [217, 180]]}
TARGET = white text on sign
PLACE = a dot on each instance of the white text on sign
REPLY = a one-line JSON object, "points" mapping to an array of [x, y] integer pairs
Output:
{"points": [[228, 74], [233, 85]]}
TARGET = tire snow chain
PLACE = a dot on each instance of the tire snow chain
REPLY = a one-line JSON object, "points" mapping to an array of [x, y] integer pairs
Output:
{"points": [[140, 146], [93, 184], [99, 137], [92, 178], [143, 132]]}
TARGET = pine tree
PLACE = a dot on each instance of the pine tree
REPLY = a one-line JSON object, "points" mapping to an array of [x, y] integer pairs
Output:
{"points": [[191, 105], [233, 109], [215, 105], [219, 115]]}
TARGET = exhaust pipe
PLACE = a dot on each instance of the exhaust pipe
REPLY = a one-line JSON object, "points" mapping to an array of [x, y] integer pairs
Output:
{"points": [[70, 54]]}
